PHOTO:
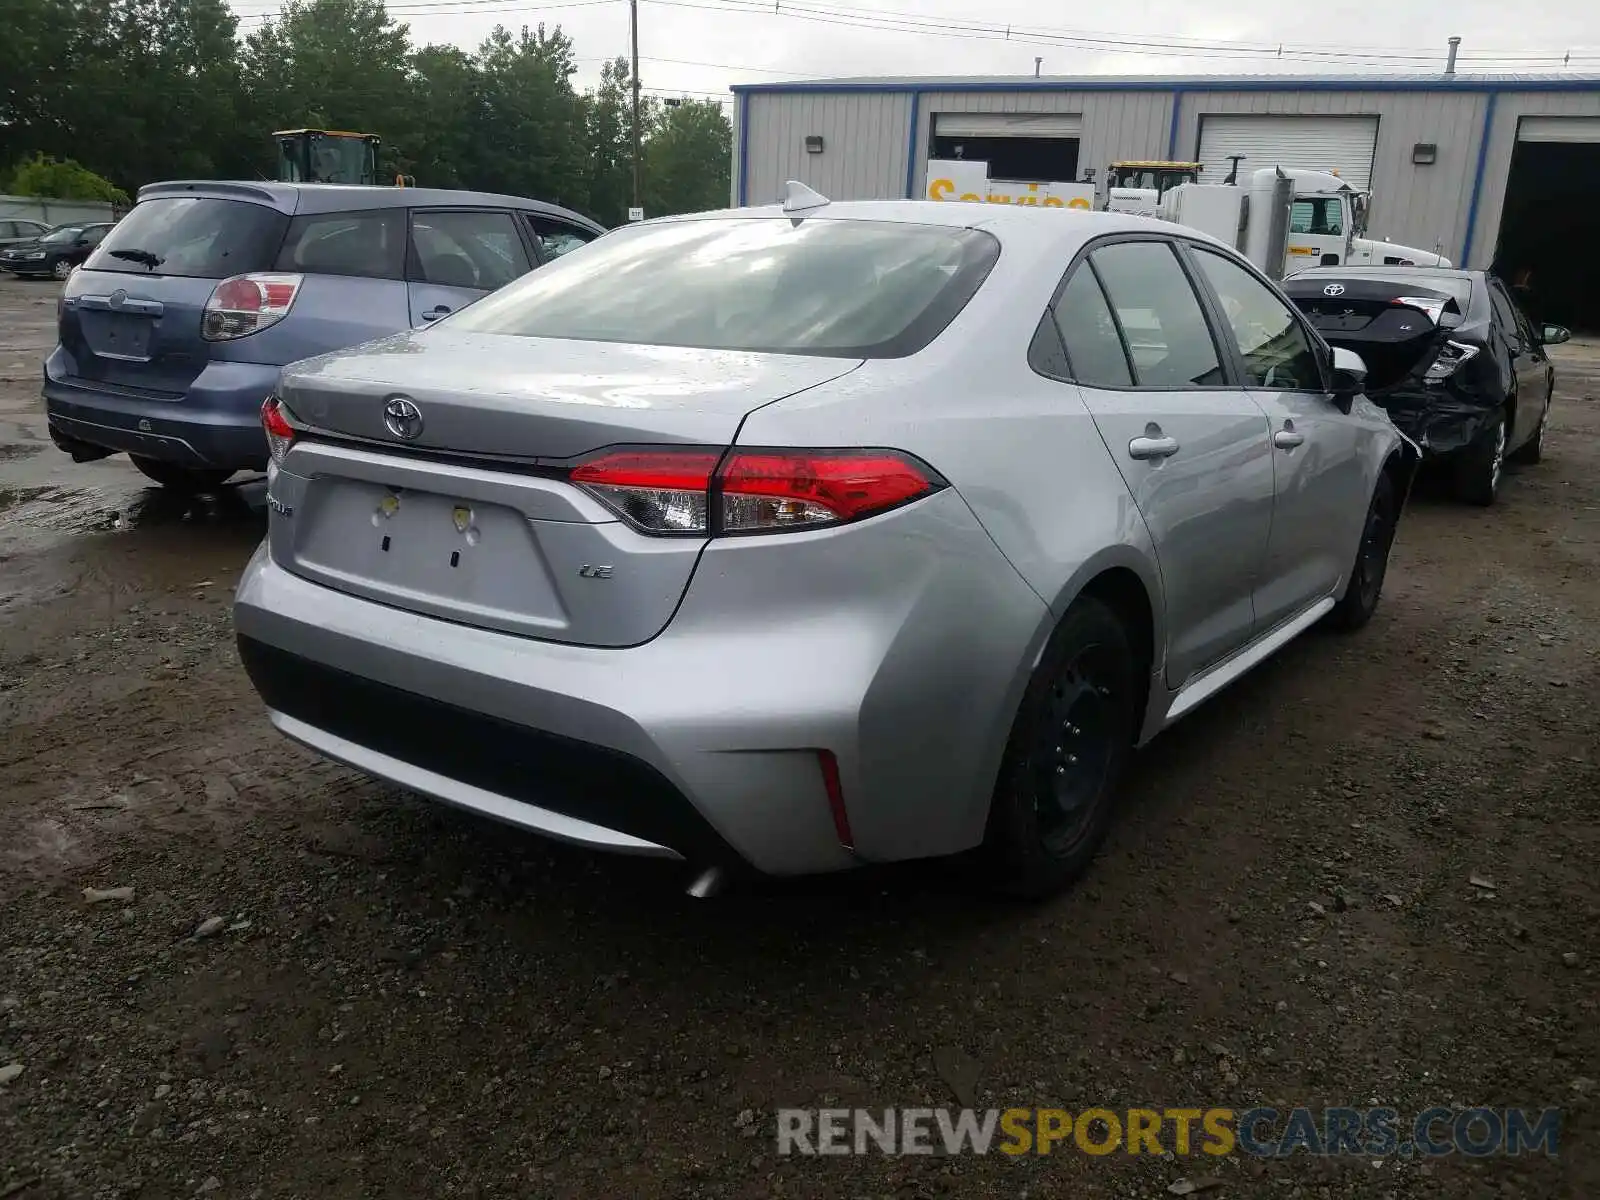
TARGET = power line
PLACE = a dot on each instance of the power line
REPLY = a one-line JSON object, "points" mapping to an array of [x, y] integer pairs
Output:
{"points": [[901, 21], [1023, 35]]}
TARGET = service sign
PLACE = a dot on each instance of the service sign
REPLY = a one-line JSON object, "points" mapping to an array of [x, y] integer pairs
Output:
{"points": [[963, 179]]}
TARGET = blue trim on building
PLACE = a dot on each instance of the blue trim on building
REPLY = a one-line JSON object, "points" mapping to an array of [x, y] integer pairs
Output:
{"points": [[1220, 84], [911, 146], [1477, 178], [1172, 129], [744, 151]]}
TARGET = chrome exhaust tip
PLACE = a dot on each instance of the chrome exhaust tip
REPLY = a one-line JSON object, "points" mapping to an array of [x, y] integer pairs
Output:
{"points": [[708, 883]]}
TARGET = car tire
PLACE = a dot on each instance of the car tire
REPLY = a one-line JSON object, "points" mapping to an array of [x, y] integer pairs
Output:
{"points": [[60, 269], [1478, 468], [1066, 754], [1532, 451], [181, 479], [1361, 594]]}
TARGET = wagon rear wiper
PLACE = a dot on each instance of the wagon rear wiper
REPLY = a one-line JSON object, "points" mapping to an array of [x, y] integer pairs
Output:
{"points": [[143, 257]]}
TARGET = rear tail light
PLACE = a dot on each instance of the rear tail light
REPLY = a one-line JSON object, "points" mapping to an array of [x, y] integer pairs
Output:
{"points": [[1451, 356], [1432, 305], [672, 491], [247, 304], [280, 434]]}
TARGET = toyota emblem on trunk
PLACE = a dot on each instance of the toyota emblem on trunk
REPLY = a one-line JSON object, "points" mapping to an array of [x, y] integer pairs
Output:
{"points": [[1333, 289], [403, 418]]}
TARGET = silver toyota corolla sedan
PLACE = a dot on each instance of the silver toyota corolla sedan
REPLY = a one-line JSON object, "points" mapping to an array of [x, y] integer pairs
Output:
{"points": [[814, 535]]}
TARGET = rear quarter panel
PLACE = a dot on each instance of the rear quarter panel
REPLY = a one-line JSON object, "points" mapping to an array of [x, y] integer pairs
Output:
{"points": [[331, 312], [1025, 457]]}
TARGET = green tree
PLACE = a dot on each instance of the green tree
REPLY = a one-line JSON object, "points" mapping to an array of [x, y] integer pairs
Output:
{"points": [[610, 119], [688, 159], [449, 144], [62, 180], [164, 103], [532, 120]]}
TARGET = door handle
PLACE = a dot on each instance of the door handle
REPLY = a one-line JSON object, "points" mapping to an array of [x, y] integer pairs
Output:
{"points": [[437, 311], [1287, 439], [1152, 447]]}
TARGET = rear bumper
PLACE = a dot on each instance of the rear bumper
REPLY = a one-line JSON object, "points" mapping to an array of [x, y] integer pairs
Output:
{"points": [[703, 742], [216, 423], [1440, 421]]}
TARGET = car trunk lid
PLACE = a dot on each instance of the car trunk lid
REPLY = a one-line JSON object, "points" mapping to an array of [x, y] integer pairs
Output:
{"points": [[471, 517], [1397, 328]]}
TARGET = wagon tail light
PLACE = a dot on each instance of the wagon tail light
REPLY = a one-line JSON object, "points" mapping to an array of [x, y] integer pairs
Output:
{"points": [[280, 434], [1451, 356], [247, 304], [699, 492]]}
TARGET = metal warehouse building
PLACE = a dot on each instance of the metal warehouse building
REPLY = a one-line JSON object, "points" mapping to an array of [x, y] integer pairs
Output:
{"points": [[1498, 170]]}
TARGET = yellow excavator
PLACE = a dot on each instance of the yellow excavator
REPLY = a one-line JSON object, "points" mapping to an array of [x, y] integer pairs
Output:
{"points": [[330, 156]]}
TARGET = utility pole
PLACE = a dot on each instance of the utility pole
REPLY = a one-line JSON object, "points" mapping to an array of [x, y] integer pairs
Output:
{"points": [[633, 35]]}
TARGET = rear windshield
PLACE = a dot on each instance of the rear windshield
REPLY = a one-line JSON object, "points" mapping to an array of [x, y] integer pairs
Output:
{"points": [[856, 289], [194, 236]]}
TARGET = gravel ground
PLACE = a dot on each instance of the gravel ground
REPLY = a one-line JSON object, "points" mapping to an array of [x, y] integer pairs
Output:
{"points": [[320, 987]]}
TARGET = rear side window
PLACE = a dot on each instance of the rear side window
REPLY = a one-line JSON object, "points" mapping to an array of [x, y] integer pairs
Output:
{"points": [[1094, 346], [369, 244], [1161, 318], [194, 236], [556, 238], [468, 249], [1506, 312]]}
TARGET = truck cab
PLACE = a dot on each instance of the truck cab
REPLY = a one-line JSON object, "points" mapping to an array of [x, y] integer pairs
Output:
{"points": [[1287, 220]]}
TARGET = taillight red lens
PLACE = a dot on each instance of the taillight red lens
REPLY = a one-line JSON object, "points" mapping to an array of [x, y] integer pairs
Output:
{"points": [[247, 304], [657, 491], [280, 434], [778, 489], [665, 490]]}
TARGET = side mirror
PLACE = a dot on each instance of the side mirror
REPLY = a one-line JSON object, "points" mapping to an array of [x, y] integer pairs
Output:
{"points": [[1554, 335], [1349, 377]]}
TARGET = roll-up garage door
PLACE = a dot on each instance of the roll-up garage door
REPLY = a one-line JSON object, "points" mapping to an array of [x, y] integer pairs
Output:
{"points": [[991, 125], [1341, 144], [1559, 129]]}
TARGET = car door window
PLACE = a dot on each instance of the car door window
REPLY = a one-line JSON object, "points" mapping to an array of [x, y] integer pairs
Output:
{"points": [[556, 238], [1159, 315], [10, 229], [468, 249], [1275, 348], [1096, 356]]}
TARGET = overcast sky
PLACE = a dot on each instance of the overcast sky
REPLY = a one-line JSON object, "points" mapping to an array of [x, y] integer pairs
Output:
{"points": [[700, 47]]}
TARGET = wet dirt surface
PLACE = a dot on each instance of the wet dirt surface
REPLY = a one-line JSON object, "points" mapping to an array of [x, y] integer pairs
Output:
{"points": [[398, 1000]]}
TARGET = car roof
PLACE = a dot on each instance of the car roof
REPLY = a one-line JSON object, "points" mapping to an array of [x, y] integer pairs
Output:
{"points": [[305, 198], [1025, 223]]}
